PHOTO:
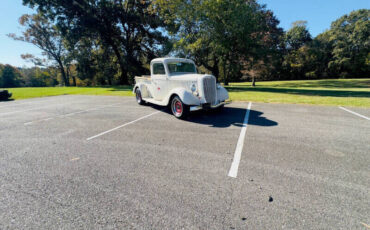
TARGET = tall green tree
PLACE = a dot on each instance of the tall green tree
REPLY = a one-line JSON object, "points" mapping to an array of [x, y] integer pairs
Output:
{"points": [[1, 73], [297, 53], [350, 36], [223, 36], [266, 61], [10, 77], [321, 54], [298, 35]]}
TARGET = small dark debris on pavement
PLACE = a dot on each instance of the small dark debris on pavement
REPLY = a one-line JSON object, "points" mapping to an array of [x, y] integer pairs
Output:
{"points": [[271, 199]]}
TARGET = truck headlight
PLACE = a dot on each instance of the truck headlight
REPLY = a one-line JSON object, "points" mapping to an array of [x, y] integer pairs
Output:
{"points": [[193, 88]]}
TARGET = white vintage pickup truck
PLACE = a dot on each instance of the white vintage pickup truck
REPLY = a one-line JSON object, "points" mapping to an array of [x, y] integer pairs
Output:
{"points": [[174, 82]]}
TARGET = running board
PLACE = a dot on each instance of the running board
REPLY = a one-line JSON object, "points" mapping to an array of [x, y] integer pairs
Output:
{"points": [[153, 101]]}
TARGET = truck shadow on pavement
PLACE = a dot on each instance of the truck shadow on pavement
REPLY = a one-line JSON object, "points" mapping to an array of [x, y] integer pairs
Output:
{"points": [[229, 116]]}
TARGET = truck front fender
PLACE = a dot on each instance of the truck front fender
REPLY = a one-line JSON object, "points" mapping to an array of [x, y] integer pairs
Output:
{"points": [[222, 94], [185, 95]]}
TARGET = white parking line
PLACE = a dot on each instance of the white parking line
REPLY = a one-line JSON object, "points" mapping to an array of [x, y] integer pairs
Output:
{"points": [[31, 101], [121, 126], [15, 104], [41, 107], [21, 103], [239, 146], [357, 114], [70, 114]]}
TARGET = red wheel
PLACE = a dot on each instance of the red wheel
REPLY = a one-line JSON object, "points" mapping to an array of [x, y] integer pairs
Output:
{"points": [[178, 108]]}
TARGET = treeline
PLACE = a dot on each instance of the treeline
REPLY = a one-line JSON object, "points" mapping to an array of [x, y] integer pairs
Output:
{"points": [[108, 42], [11, 76]]}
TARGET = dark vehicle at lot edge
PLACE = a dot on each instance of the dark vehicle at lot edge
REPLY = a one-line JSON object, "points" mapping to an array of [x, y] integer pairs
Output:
{"points": [[4, 95]]}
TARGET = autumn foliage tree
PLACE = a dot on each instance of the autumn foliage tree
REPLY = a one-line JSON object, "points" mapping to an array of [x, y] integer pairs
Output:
{"points": [[40, 32]]}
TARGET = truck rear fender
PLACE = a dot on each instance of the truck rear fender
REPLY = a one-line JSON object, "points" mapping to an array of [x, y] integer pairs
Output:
{"points": [[143, 89]]}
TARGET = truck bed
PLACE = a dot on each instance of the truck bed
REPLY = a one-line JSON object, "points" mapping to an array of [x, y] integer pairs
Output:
{"points": [[144, 78]]}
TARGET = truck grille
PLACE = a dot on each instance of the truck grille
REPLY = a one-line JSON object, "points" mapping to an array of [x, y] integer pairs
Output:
{"points": [[209, 84]]}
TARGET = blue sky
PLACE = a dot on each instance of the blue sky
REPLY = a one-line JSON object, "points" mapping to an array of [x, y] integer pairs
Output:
{"points": [[318, 13], [11, 50]]}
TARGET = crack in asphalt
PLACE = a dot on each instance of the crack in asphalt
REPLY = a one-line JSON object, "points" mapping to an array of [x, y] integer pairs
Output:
{"points": [[230, 205]]}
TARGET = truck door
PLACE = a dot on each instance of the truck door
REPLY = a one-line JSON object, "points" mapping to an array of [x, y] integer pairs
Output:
{"points": [[159, 81]]}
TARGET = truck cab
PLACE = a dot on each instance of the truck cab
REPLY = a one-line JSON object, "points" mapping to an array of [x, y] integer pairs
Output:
{"points": [[174, 82]]}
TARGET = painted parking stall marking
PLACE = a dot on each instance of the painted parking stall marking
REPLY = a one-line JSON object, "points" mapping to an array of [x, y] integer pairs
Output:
{"points": [[7, 104], [37, 108], [239, 146], [121, 126], [70, 114], [357, 114], [23, 103]]}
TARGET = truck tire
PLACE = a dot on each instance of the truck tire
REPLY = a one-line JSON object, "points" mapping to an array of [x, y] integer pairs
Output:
{"points": [[178, 108], [139, 99]]}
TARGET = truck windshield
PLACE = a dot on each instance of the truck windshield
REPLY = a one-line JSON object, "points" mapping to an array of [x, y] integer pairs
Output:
{"points": [[181, 67]]}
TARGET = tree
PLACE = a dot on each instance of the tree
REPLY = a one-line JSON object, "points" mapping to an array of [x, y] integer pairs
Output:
{"points": [[38, 77], [321, 47], [1, 74], [341, 51], [129, 27], [10, 77], [350, 36], [46, 36], [266, 61], [223, 36], [297, 40], [298, 35], [35, 60]]}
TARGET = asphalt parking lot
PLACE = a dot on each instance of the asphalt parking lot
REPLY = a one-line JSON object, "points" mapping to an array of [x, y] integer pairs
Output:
{"points": [[100, 162]]}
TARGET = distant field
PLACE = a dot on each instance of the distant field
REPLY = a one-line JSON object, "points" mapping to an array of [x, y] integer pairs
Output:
{"points": [[344, 92]]}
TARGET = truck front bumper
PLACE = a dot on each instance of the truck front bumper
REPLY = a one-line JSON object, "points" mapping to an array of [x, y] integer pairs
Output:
{"points": [[208, 106]]}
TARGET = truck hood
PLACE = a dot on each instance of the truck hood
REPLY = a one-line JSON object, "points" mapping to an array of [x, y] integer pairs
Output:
{"points": [[187, 77]]}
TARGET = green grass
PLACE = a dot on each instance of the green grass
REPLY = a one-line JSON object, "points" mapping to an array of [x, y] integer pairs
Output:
{"points": [[344, 92], [24, 93]]}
